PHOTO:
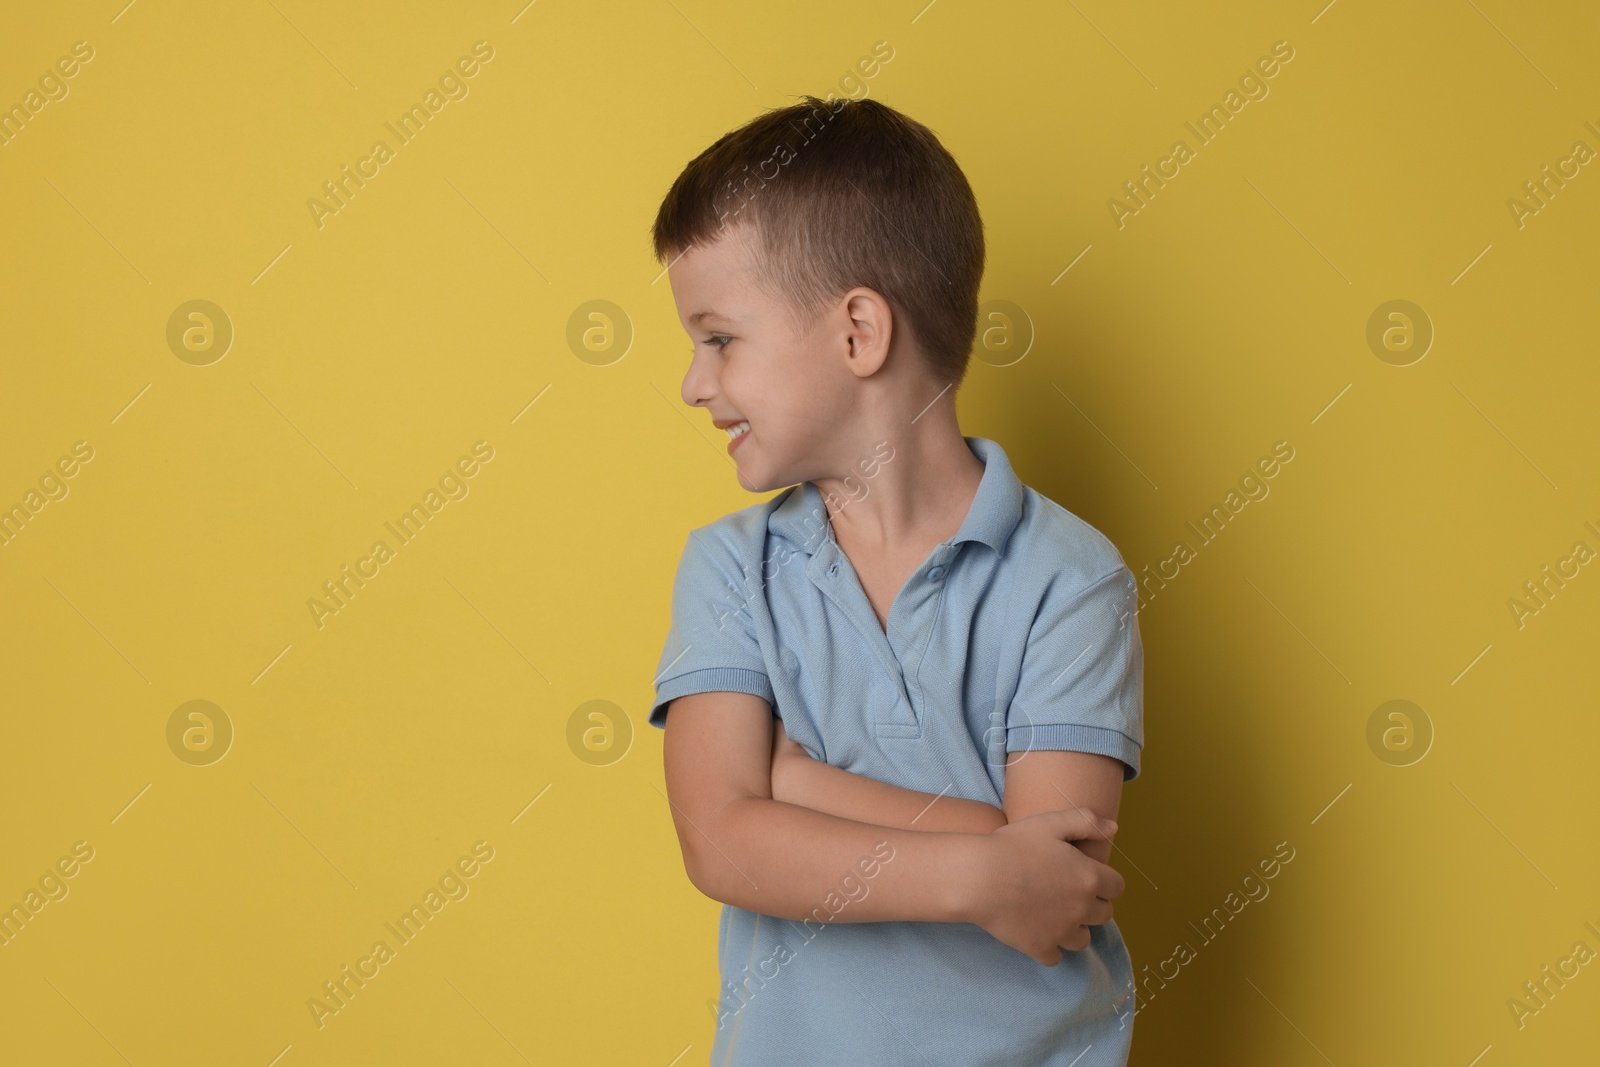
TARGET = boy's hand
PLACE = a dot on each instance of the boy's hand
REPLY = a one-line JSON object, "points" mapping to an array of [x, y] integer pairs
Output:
{"points": [[1040, 894]]}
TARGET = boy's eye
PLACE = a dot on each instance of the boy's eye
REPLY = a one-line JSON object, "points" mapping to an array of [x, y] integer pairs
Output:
{"points": [[718, 340]]}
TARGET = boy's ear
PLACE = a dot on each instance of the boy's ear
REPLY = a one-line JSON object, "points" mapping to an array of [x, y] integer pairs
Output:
{"points": [[871, 329]]}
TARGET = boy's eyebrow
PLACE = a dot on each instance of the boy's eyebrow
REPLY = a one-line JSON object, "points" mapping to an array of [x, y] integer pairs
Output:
{"points": [[700, 316]]}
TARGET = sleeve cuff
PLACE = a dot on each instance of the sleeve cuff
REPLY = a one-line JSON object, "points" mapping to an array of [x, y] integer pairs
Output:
{"points": [[710, 680], [1075, 738]]}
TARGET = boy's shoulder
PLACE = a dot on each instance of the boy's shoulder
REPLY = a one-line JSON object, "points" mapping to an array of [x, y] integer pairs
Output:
{"points": [[736, 543], [1063, 548], [747, 526]]}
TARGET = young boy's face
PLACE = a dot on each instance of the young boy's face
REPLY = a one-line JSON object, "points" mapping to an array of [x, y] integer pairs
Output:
{"points": [[751, 364]]}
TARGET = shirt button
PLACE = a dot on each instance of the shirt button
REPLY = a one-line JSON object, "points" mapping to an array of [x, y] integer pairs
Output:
{"points": [[833, 570], [934, 574]]}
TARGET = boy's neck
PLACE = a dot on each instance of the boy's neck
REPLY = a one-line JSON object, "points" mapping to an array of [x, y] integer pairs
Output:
{"points": [[914, 500]]}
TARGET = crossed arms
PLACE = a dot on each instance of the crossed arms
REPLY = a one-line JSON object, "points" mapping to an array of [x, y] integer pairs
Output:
{"points": [[763, 826]]}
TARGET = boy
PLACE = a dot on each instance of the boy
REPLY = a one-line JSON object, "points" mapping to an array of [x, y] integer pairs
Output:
{"points": [[906, 691]]}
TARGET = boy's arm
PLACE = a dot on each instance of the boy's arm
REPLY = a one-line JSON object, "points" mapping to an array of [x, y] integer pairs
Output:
{"points": [[1040, 780], [1025, 884], [1048, 780], [811, 783], [1066, 692], [742, 847]]}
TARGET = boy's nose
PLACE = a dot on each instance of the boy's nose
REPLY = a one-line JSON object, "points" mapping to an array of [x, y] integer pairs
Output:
{"points": [[699, 383]]}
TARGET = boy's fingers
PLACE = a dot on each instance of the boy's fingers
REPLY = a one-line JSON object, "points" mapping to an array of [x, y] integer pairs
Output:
{"points": [[1077, 824]]}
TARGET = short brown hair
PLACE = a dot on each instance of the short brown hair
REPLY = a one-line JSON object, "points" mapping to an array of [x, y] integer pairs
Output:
{"points": [[843, 193]]}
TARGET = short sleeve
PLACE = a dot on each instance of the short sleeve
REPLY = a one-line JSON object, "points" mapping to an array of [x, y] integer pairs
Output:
{"points": [[1081, 687], [712, 645]]}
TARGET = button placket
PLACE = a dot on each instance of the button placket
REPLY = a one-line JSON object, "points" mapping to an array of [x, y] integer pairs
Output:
{"points": [[853, 602], [917, 608]]}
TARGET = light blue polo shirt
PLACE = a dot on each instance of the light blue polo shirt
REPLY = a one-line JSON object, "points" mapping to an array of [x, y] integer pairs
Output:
{"points": [[1017, 633]]}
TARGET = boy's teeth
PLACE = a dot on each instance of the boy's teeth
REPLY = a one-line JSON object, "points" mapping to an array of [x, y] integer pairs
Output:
{"points": [[738, 428]]}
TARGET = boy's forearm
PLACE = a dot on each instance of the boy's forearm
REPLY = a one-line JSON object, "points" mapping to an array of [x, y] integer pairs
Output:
{"points": [[820, 786], [792, 862], [811, 783]]}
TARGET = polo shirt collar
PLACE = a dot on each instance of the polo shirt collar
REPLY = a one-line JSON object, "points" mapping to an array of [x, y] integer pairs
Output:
{"points": [[802, 518]]}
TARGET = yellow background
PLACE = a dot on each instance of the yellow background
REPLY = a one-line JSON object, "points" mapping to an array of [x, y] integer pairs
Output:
{"points": [[428, 314]]}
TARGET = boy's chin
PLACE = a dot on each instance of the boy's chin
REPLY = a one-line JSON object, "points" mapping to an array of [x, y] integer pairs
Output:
{"points": [[755, 478], [758, 483]]}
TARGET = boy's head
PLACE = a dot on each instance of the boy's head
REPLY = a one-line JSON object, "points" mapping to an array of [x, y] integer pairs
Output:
{"points": [[841, 249]]}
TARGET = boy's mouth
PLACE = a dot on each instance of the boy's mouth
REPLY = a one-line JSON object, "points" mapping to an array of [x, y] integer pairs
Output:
{"points": [[738, 430]]}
